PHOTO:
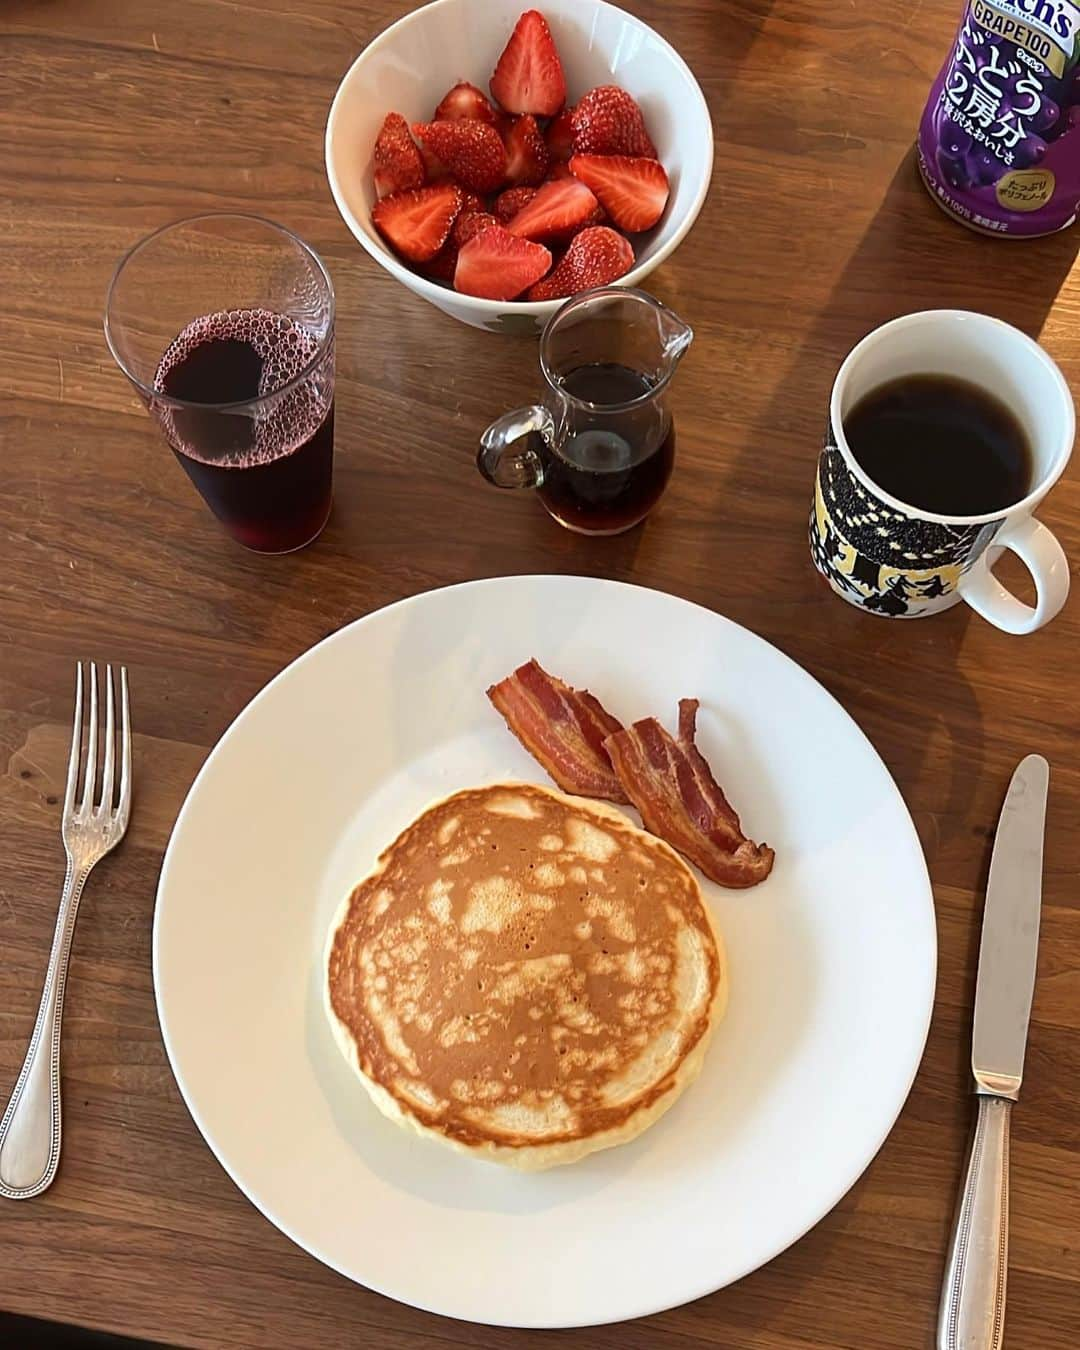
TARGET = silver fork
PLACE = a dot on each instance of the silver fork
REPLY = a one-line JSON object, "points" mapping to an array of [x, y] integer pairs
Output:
{"points": [[30, 1129]]}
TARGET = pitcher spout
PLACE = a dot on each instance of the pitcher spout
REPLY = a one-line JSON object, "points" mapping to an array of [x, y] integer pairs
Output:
{"points": [[675, 336]]}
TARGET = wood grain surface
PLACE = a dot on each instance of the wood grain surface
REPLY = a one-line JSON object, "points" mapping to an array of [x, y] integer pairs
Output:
{"points": [[120, 115]]}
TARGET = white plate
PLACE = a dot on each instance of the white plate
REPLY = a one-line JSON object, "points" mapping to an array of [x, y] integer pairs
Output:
{"points": [[832, 960]]}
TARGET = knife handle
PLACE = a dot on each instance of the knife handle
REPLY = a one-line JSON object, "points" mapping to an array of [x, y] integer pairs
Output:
{"points": [[972, 1315]]}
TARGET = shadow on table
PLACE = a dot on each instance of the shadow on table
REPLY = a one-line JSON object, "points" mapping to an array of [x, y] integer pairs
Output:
{"points": [[900, 679], [27, 1333], [912, 257]]}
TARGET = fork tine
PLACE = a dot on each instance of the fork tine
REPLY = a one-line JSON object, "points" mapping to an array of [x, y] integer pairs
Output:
{"points": [[89, 785], [110, 746], [124, 808], [76, 744]]}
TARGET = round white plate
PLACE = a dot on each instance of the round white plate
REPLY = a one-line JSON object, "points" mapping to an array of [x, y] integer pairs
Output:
{"points": [[832, 960]]}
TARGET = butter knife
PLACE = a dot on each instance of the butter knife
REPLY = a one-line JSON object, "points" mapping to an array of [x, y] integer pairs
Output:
{"points": [[972, 1314]]}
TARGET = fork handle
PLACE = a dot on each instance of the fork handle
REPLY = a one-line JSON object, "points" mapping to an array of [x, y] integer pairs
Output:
{"points": [[30, 1129]]}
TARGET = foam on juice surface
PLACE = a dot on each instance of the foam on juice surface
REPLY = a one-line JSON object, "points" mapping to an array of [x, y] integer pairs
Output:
{"points": [[267, 431]]}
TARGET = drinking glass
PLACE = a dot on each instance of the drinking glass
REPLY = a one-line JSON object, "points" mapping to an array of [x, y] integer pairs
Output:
{"points": [[224, 323]]}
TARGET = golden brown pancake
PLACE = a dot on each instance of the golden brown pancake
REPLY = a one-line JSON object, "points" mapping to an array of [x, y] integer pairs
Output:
{"points": [[525, 976]]}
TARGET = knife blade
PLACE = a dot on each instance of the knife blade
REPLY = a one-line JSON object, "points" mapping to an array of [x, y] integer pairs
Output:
{"points": [[972, 1313], [1010, 934]]}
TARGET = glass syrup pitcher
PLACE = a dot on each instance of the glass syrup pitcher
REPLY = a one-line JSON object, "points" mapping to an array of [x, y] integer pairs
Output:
{"points": [[600, 448]]}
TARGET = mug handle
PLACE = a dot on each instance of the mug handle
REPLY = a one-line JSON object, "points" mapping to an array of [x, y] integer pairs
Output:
{"points": [[1043, 557], [508, 464]]}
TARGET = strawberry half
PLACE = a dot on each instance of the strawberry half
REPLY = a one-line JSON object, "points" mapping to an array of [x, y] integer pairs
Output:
{"points": [[560, 136], [469, 224], [529, 77], [398, 166], [557, 209], [495, 265], [470, 202], [417, 223], [441, 267], [607, 121], [526, 152], [509, 203], [465, 103], [632, 191], [470, 221], [595, 257], [434, 169], [472, 151]]}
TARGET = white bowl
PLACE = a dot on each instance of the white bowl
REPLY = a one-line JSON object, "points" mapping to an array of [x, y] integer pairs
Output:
{"points": [[409, 67]]}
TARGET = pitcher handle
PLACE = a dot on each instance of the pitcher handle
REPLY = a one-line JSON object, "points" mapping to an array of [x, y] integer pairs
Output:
{"points": [[505, 457]]}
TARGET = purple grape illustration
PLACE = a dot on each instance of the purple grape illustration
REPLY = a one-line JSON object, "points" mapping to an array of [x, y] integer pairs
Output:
{"points": [[1029, 152], [955, 142], [952, 169], [984, 167], [1046, 118], [1055, 90]]}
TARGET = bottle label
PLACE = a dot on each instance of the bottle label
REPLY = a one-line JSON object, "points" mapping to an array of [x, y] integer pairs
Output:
{"points": [[998, 143]]}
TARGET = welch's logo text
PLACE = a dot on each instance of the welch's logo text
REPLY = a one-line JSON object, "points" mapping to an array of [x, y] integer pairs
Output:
{"points": [[1059, 19]]}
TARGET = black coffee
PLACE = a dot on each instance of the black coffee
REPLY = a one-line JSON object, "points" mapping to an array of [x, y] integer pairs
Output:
{"points": [[941, 444]]}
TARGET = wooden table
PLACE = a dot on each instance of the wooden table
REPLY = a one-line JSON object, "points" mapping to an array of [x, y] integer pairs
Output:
{"points": [[119, 116]]}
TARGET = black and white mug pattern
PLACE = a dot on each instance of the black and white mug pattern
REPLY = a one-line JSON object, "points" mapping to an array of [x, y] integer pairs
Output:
{"points": [[888, 561]]}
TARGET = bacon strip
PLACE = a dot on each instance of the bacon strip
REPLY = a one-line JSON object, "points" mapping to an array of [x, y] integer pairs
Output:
{"points": [[563, 728], [672, 786]]}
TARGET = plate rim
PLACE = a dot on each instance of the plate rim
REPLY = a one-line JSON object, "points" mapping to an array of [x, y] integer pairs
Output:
{"points": [[646, 1307]]}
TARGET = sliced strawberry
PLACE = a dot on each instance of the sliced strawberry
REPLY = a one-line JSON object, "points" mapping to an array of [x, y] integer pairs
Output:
{"points": [[559, 170], [468, 225], [607, 121], [444, 263], [471, 220], [398, 166], [497, 266], [560, 135], [470, 202], [472, 151], [418, 222], [526, 152], [529, 77], [557, 209], [632, 191], [509, 203], [434, 169], [465, 103], [598, 217], [442, 266], [595, 257]]}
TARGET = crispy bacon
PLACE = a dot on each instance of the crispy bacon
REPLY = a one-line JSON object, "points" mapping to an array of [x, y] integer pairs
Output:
{"points": [[563, 728], [672, 786]]}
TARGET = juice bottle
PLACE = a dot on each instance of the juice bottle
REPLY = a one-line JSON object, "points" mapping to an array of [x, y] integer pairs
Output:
{"points": [[999, 145]]}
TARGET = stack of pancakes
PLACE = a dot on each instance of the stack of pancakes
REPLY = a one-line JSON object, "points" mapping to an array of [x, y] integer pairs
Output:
{"points": [[525, 976]]}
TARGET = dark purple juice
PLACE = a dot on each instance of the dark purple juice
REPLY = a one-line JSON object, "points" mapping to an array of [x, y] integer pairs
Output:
{"points": [[259, 449], [611, 469]]}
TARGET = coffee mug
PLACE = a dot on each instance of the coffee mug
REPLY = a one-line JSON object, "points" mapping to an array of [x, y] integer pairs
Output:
{"points": [[895, 559]]}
